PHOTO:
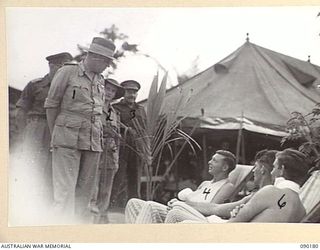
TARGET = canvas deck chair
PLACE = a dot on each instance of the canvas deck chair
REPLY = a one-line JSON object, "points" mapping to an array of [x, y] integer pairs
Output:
{"points": [[239, 177], [310, 197], [313, 216]]}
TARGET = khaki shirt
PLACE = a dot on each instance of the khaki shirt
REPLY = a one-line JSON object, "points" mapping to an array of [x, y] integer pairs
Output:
{"points": [[34, 95], [111, 134], [80, 98], [127, 114]]}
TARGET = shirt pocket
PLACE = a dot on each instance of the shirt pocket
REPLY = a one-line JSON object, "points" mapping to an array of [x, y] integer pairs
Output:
{"points": [[66, 132], [79, 93]]}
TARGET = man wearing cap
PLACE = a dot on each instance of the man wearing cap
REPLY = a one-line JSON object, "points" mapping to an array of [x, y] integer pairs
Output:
{"points": [[126, 180], [33, 128], [109, 159], [74, 108]]}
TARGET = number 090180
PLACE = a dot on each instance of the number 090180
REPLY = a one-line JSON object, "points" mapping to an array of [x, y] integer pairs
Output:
{"points": [[308, 245]]}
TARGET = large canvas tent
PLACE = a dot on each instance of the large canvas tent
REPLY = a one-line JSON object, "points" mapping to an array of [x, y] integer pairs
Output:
{"points": [[247, 98]]}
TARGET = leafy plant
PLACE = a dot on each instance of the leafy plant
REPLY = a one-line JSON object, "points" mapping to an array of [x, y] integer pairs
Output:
{"points": [[160, 131], [112, 33], [307, 129]]}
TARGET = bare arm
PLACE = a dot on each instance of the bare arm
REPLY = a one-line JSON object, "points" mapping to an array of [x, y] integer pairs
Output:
{"points": [[223, 194], [56, 92], [257, 204], [221, 210]]}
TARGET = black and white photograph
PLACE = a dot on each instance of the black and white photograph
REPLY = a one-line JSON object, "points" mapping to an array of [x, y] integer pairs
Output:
{"points": [[163, 115]]}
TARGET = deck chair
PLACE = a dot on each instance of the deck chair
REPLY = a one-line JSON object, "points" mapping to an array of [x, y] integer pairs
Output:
{"points": [[313, 216], [239, 177], [310, 191]]}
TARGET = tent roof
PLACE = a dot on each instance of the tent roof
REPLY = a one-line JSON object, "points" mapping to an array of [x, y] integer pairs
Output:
{"points": [[255, 84]]}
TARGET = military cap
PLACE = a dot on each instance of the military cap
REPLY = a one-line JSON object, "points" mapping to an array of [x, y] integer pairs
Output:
{"points": [[120, 90], [60, 58], [131, 84]]}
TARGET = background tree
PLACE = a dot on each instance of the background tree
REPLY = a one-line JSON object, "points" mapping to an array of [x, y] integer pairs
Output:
{"points": [[120, 39], [306, 129]]}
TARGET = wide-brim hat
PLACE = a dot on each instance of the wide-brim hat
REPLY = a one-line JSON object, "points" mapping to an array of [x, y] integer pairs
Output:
{"points": [[120, 90], [59, 58], [131, 84], [101, 46]]}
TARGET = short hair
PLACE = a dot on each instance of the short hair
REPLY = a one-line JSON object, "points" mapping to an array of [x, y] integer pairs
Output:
{"points": [[295, 165], [229, 159], [266, 157]]}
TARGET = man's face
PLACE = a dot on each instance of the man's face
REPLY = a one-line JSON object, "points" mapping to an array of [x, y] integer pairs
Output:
{"points": [[277, 170], [216, 164], [97, 63], [257, 173], [130, 95], [110, 92]]}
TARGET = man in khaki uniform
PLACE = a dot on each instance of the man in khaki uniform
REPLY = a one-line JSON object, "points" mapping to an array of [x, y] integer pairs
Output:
{"points": [[74, 108], [34, 132], [126, 180]]}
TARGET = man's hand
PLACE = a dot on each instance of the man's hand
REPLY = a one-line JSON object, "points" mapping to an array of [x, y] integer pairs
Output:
{"points": [[170, 203], [236, 210]]}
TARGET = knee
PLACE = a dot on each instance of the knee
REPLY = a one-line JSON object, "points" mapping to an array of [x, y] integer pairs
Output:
{"points": [[133, 202], [172, 216]]}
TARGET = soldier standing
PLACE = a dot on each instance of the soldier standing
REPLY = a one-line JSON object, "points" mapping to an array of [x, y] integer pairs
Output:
{"points": [[74, 108], [34, 132], [126, 180], [109, 160]]}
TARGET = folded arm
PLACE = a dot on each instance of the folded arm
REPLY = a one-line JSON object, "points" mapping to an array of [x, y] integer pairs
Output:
{"points": [[257, 204]]}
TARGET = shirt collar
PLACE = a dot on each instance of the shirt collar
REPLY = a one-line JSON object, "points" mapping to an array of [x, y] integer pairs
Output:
{"points": [[282, 183], [135, 105], [45, 81], [82, 72]]}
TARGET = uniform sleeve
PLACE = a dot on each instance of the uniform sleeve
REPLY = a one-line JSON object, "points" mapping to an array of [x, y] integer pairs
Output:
{"points": [[142, 116], [26, 98], [58, 86]]}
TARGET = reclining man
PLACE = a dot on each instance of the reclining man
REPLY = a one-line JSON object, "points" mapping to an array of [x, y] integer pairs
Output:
{"points": [[279, 202], [204, 212], [215, 191]]}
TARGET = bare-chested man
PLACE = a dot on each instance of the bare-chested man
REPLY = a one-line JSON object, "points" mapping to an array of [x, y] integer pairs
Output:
{"points": [[279, 202], [199, 212]]}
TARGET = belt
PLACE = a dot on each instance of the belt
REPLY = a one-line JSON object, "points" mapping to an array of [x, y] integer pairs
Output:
{"points": [[92, 118]]}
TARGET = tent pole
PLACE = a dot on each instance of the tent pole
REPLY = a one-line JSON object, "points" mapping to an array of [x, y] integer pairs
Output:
{"points": [[243, 151], [238, 145], [204, 150], [239, 139]]}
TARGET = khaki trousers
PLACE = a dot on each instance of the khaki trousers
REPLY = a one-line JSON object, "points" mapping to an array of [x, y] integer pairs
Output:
{"points": [[74, 176]]}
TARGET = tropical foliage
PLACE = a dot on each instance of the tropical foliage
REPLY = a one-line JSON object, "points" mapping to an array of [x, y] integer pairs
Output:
{"points": [[120, 39], [160, 131], [306, 128]]}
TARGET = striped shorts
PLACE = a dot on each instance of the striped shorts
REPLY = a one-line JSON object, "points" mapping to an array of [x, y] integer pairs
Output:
{"points": [[145, 212], [184, 214]]}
